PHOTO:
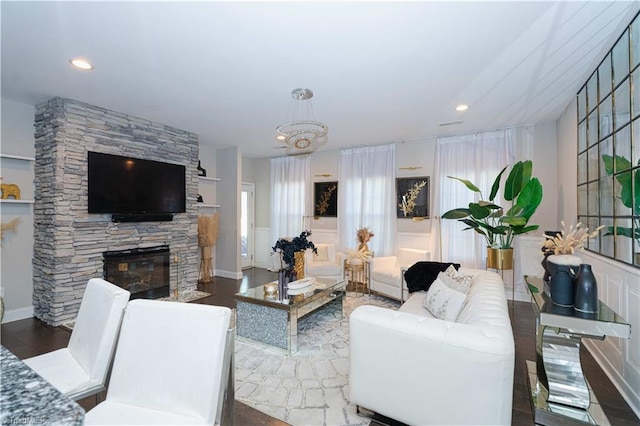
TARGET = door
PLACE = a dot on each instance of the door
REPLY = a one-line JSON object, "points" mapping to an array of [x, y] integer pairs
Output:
{"points": [[246, 225]]}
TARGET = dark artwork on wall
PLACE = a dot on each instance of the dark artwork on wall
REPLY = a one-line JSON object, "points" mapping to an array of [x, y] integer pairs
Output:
{"points": [[325, 199], [412, 197]]}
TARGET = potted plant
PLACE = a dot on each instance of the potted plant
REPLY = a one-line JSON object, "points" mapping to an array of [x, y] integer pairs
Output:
{"points": [[629, 197], [489, 219], [292, 253]]}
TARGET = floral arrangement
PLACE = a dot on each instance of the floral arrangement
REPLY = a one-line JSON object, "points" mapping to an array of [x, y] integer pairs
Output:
{"points": [[568, 242], [287, 247]]}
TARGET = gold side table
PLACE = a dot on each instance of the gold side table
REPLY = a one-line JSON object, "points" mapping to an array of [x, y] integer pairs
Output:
{"points": [[358, 277]]}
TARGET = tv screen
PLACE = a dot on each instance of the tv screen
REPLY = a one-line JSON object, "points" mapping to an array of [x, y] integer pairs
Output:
{"points": [[131, 185]]}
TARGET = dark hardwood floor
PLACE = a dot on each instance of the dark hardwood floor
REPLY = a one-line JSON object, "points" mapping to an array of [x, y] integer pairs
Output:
{"points": [[30, 337]]}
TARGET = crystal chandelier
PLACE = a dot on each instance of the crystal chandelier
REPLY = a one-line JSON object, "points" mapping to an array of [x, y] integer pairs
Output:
{"points": [[301, 130]]}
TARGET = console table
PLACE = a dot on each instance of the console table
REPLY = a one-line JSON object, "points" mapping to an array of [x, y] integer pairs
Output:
{"points": [[560, 394]]}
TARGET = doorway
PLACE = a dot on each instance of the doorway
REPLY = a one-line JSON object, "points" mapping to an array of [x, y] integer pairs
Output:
{"points": [[247, 206]]}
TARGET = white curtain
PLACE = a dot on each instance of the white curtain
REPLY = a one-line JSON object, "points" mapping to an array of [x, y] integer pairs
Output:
{"points": [[290, 195], [367, 197], [479, 158]]}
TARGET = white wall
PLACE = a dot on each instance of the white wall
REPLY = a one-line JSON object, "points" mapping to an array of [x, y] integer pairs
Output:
{"points": [[16, 276], [229, 169], [618, 284]]}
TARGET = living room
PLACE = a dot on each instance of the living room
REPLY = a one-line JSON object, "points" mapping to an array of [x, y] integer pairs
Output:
{"points": [[551, 144]]}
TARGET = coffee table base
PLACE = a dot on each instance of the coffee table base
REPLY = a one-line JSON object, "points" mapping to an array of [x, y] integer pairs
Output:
{"points": [[275, 327], [552, 414]]}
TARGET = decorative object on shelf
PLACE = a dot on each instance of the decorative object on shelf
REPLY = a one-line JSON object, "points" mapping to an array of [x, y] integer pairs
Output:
{"points": [[301, 131], [200, 199], [201, 172], [563, 269], [10, 190], [486, 218], [10, 227], [412, 197], [586, 297], [207, 236], [289, 249], [326, 199], [629, 196]]}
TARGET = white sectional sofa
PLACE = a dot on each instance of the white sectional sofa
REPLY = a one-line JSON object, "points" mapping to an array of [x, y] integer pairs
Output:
{"points": [[420, 370]]}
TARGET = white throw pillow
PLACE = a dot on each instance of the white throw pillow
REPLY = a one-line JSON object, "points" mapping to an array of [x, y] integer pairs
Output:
{"points": [[456, 280], [322, 255], [443, 302]]}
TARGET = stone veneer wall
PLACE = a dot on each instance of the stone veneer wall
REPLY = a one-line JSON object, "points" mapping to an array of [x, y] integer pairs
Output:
{"points": [[69, 242]]}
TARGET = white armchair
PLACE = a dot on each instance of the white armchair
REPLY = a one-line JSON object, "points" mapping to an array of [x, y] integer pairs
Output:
{"points": [[173, 366], [80, 369], [387, 272], [327, 263]]}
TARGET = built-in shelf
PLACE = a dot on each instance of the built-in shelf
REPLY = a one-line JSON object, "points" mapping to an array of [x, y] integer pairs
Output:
{"points": [[17, 157], [215, 179], [12, 201], [213, 206]]}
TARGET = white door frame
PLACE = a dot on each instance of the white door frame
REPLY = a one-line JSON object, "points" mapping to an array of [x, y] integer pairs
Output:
{"points": [[248, 261]]}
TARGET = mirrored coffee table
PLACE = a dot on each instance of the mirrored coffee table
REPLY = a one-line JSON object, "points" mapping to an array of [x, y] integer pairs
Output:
{"points": [[273, 319]]}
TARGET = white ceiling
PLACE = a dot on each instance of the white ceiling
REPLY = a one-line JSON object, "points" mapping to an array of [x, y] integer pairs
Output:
{"points": [[381, 71]]}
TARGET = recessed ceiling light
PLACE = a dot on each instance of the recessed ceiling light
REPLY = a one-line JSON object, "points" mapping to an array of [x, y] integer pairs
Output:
{"points": [[280, 137], [82, 64], [462, 107]]}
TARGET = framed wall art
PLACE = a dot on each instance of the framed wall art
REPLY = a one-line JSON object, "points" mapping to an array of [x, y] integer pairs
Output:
{"points": [[412, 197], [325, 199]]}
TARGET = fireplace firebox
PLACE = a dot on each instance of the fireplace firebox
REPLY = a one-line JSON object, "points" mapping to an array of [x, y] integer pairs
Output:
{"points": [[144, 272]]}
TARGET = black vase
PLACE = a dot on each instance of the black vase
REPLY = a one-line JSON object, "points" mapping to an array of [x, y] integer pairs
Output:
{"points": [[586, 298], [201, 172], [545, 266]]}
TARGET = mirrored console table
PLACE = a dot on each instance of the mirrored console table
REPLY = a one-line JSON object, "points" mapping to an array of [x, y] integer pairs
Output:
{"points": [[560, 394]]}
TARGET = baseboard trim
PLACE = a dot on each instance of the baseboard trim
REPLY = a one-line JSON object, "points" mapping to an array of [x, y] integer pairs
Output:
{"points": [[17, 314], [229, 274]]}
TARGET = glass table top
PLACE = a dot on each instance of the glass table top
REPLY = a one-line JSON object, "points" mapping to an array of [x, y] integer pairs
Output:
{"points": [[606, 322], [294, 298]]}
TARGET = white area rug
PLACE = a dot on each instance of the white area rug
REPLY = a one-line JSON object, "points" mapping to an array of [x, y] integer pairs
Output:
{"points": [[311, 387]]}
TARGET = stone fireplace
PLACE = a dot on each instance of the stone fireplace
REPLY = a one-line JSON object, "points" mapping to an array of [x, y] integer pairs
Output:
{"points": [[68, 241], [143, 272]]}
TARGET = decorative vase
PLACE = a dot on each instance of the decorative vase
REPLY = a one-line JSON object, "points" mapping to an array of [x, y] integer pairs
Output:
{"points": [[500, 258], [586, 291], [545, 266], [282, 283], [298, 266], [563, 269], [201, 172]]}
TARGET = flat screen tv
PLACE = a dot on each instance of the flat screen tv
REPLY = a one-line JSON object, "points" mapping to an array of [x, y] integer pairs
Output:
{"points": [[125, 185]]}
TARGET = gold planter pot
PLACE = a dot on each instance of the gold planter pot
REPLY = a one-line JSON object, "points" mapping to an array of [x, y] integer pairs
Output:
{"points": [[501, 259]]}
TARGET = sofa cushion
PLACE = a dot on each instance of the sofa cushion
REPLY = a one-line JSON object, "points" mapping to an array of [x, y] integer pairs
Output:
{"points": [[421, 274], [389, 276], [456, 280], [442, 301], [322, 254]]}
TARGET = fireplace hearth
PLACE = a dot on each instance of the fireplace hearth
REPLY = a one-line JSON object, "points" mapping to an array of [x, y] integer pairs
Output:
{"points": [[144, 272]]}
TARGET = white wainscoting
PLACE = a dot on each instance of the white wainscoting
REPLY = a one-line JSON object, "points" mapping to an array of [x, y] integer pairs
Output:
{"points": [[619, 288]]}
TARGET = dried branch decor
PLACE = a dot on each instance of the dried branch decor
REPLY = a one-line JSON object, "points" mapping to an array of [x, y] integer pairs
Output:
{"points": [[207, 236], [8, 228], [568, 242]]}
